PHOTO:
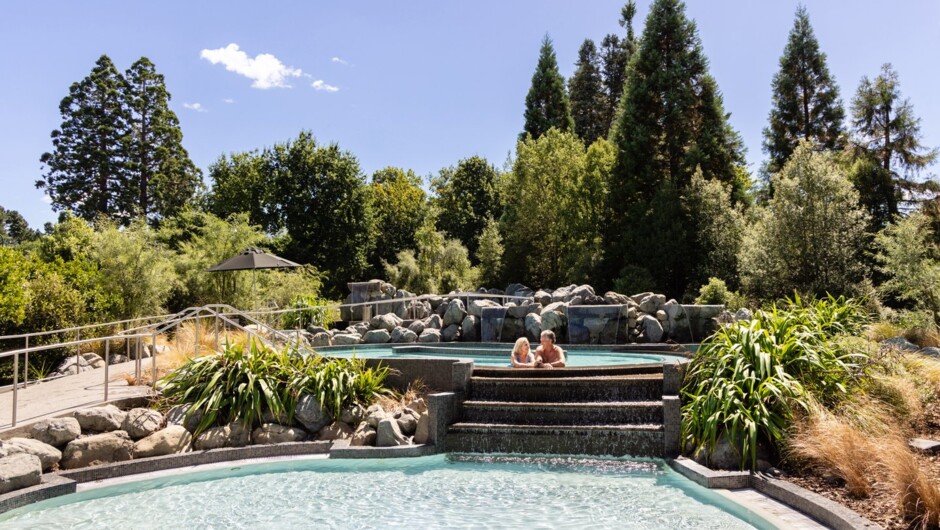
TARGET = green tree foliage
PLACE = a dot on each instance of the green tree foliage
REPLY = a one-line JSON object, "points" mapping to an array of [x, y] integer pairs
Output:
{"points": [[160, 170], [588, 100], [615, 55], [87, 170], [135, 271], [241, 183], [399, 206], [118, 152], [908, 254], [806, 104], [811, 236], [466, 197], [439, 264], [546, 104], [716, 292], [322, 202], [14, 229], [887, 133], [14, 287], [720, 229], [490, 254], [671, 123], [541, 225]]}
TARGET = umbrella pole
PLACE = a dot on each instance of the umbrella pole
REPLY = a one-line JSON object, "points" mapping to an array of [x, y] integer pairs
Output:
{"points": [[254, 294]]}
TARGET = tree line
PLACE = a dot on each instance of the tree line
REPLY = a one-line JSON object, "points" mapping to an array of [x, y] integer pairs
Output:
{"points": [[628, 176]]}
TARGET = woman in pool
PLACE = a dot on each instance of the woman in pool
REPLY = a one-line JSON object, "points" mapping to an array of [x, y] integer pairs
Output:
{"points": [[521, 356]]}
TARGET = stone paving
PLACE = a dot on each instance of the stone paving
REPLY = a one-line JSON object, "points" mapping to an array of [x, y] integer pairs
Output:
{"points": [[56, 397], [775, 512]]}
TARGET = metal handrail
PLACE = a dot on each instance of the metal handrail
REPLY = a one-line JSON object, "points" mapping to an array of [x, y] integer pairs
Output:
{"points": [[79, 328]]}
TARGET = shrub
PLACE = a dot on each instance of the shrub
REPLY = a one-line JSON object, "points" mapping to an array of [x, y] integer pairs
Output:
{"points": [[241, 383], [716, 292], [911, 261], [308, 310]]}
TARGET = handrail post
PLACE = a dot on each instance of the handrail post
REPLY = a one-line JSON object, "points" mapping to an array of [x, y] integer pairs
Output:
{"points": [[137, 361], [26, 365], [153, 359], [16, 374], [217, 331], [78, 352], [197, 336], [107, 362]]}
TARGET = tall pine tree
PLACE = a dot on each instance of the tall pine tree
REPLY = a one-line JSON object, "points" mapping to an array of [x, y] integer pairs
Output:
{"points": [[615, 55], [588, 100], [87, 172], [806, 104], [671, 122], [887, 133], [546, 104], [160, 170]]}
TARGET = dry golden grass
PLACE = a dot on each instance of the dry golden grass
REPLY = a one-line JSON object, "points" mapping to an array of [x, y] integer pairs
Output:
{"points": [[882, 330], [918, 496], [924, 337], [926, 369], [393, 403], [898, 394], [834, 445]]}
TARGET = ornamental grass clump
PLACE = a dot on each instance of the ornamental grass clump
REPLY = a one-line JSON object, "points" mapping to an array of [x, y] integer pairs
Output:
{"points": [[746, 380], [242, 383]]}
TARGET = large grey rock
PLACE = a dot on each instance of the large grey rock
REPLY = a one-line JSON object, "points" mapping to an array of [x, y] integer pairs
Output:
{"points": [[174, 439], [450, 333], [422, 430], [310, 414], [613, 298], [365, 435], [388, 322], [521, 310], [346, 339], [234, 434], [335, 431], [417, 326], [652, 303], [98, 449], [375, 414], [408, 421], [559, 295], [430, 335], [404, 335], [652, 329], [584, 292], [435, 322], [141, 422], [899, 343], [321, 339], [743, 314], [533, 326], [554, 321], [272, 433], [19, 471], [178, 416], [673, 309], [557, 307], [930, 351], [313, 329], [389, 434], [48, 455], [637, 298], [469, 329], [352, 414], [543, 297], [455, 313], [417, 309], [100, 419], [360, 328], [435, 301], [377, 336], [56, 431], [477, 305]]}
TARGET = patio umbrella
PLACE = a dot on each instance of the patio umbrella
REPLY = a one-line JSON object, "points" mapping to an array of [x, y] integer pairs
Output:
{"points": [[253, 259]]}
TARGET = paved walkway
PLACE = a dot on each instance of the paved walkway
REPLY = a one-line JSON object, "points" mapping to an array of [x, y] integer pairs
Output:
{"points": [[54, 398], [775, 512]]}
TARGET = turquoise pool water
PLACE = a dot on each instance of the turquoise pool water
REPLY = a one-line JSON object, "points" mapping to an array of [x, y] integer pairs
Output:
{"points": [[458, 491], [495, 356]]}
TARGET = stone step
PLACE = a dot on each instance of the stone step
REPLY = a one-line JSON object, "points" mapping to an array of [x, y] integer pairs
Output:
{"points": [[590, 413], [641, 387], [612, 440], [541, 373]]}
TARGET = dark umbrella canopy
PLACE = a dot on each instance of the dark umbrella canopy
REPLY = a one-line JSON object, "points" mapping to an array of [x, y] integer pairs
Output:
{"points": [[251, 259]]}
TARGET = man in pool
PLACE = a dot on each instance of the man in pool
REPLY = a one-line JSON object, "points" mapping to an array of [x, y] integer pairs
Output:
{"points": [[548, 355]]}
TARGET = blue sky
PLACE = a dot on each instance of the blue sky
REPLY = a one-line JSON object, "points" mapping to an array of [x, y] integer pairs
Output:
{"points": [[419, 85]]}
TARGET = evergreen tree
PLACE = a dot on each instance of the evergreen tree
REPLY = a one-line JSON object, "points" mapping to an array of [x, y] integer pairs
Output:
{"points": [[14, 229], [160, 170], [806, 104], [615, 56], [87, 172], [671, 123], [887, 133], [546, 104], [588, 101]]}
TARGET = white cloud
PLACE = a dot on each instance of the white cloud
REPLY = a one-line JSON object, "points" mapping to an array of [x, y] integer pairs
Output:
{"points": [[228, 100], [46, 199], [319, 84], [265, 70], [339, 61], [196, 107]]}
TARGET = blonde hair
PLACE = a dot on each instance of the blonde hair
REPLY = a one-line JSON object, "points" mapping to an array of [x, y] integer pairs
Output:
{"points": [[518, 346]]}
